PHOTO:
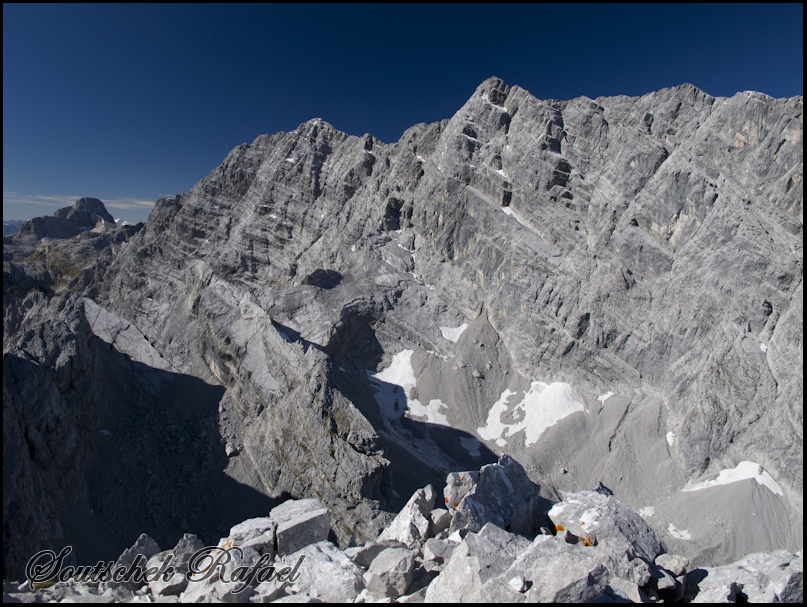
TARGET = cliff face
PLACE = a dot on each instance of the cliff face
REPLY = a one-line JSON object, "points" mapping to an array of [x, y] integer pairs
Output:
{"points": [[605, 289]]}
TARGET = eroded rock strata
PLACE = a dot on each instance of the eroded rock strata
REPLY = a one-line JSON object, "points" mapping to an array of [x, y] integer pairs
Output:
{"points": [[607, 290]]}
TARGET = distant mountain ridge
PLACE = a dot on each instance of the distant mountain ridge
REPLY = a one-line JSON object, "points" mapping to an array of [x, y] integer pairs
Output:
{"points": [[607, 290], [12, 226]]}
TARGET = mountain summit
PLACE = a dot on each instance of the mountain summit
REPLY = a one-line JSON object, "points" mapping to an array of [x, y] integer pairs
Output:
{"points": [[607, 290]]}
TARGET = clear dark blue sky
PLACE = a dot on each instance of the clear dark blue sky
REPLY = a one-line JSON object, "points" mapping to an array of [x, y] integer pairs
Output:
{"points": [[129, 103]]}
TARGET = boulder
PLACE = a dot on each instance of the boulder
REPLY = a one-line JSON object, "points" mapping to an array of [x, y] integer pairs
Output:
{"points": [[300, 523], [256, 533], [440, 520], [221, 584], [505, 496], [364, 555], [773, 577], [145, 548], [181, 554], [411, 526], [620, 590], [325, 573], [390, 573], [674, 563], [438, 550], [251, 528], [551, 571], [599, 517], [458, 485], [480, 557], [269, 591]]}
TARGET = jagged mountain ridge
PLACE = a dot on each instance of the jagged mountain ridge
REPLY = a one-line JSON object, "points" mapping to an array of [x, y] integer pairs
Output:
{"points": [[644, 247]]}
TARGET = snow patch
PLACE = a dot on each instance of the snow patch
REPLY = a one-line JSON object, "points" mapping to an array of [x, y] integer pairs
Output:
{"points": [[453, 334], [431, 412], [743, 471], [105, 432], [394, 387], [604, 397], [512, 213], [543, 406], [589, 519], [670, 438], [683, 534], [393, 384], [647, 512], [495, 428], [763, 347]]}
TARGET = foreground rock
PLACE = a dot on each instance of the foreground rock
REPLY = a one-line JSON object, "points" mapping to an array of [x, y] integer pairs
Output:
{"points": [[300, 523], [479, 558], [411, 526], [775, 577], [501, 494], [469, 565], [596, 519]]}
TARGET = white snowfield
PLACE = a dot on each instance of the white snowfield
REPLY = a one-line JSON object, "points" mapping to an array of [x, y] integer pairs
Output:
{"points": [[453, 334], [647, 511], [394, 384], [471, 445], [543, 406], [681, 534], [495, 429], [394, 392], [604, 397], [431, 412], [743, 471]]}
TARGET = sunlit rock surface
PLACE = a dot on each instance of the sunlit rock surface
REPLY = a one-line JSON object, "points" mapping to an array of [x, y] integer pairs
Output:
{"points": [[607, 290]]}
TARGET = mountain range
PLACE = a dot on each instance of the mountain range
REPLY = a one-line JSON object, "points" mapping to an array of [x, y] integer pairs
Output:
{"points": [[607, 290]]}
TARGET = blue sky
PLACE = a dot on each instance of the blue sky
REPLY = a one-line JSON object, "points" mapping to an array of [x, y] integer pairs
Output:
{"points": [[128, 103]]}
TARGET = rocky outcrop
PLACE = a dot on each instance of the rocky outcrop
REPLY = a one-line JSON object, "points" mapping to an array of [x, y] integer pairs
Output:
{"points": [[50, 254], [51, 409], [489, 564], [604, 290], [85, 214]]}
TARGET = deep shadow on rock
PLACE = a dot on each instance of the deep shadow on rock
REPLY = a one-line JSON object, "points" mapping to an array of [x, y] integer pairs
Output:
{"points": [[162, 470], [156, 464]]}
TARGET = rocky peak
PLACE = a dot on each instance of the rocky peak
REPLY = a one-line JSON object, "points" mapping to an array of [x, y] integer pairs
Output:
{"points": [[68, 221], [85, 212], [494, 90], [604, 290]]}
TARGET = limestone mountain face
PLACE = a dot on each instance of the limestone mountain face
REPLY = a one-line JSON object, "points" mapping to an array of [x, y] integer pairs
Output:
{"points": [[85, 214], [606, 290]]}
